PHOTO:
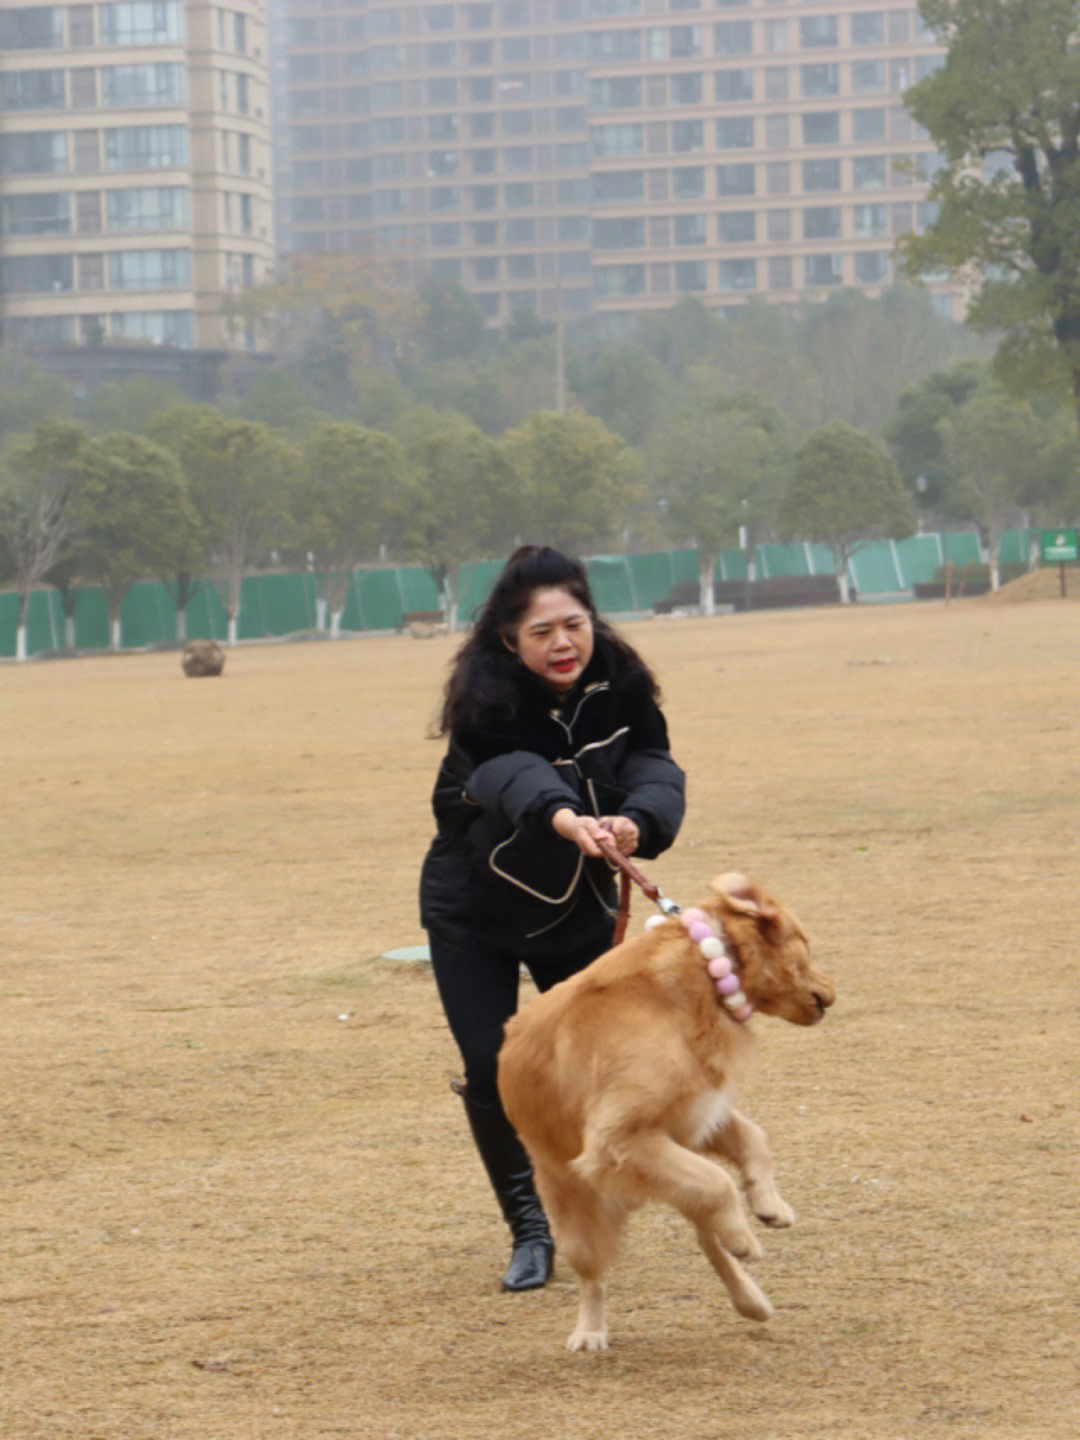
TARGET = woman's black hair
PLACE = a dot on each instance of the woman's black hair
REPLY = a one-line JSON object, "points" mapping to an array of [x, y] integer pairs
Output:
{"points": [[484, 676]]}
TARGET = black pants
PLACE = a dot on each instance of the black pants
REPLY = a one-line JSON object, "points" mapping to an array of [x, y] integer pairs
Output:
{"points": [[478, 987]]}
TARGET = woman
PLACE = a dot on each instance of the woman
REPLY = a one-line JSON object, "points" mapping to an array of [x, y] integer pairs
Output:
{"points": [[556, 740]]}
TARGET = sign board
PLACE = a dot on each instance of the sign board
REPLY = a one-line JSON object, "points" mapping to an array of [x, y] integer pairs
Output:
{"points": [[1060, 547]]}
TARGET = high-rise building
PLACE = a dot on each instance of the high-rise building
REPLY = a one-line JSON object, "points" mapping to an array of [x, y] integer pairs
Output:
{"points": [[605, 155], [135, 170]]}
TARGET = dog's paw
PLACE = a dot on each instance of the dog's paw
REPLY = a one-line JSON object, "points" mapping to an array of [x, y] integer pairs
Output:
{"points": [[778, 1215], [740, 1240], [591, 1341]]}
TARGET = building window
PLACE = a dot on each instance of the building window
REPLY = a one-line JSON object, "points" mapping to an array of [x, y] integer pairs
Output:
{"points": [[145, 147], [777, 177], [37, 274], [613, 45], [689, 229], [823, 270], [780, 272], [736, 227], [134, 85], [520, 231], [32, 90], [733, 37], [520, 267], [162, 327], [735, 179], [821, 222], [869, 220], [778, 225], [519, 196], [819, 31], [615, 280], [734, 86], [776, 36], [868, 124], [618, 185], [617, 140], [685, 41], [776, 82], [821, 175], [152, 22], [151, 207], [868, 27], [818, 80], [688, 182], [686, 89], [738, 274], [777, 132], [821, 127], [691, 276], [868, 77], [149, 269], [871, 267], [735, 132], [34, 152], [622, 234], [868, 172], [88, 212], [687, 135], [32, 27], [48, 213], [616, 92]]}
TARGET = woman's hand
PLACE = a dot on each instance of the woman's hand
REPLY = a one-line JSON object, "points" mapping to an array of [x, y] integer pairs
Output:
{"points": [[581, 830], [586, 832], [623, 831]]}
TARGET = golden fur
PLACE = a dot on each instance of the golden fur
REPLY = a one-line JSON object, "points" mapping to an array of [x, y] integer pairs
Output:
{"points": [[619, 1081]]}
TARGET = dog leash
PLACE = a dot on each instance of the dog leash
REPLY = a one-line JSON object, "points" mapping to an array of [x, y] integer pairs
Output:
{"points": [[629, 875], [718, 961]]}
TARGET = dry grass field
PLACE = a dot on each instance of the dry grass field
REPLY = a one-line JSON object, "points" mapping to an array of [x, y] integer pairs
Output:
{"points": [[237, 1199]]}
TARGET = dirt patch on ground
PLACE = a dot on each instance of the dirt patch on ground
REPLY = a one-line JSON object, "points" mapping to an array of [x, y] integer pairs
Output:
{"points": [[237, 1200], [1051, 582]]}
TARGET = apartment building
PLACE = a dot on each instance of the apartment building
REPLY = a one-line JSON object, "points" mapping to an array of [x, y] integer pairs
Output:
{"points": [[612, 156], [135, 170]]}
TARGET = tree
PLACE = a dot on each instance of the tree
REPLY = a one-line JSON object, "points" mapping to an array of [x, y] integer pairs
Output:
{"points": [[715, 465], [844, 488], [576, 479], [1004, 111], [466, 504], [353, 501], [139, 520], [624, 386], [916, 436], [240, 476], [42, 506], [994, 444]]}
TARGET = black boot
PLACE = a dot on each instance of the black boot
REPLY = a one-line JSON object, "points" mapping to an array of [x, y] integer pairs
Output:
{"points": [[510, 1173]]}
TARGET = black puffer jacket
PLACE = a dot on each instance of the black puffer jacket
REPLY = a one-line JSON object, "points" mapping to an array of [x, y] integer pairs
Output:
{"points": [[496, 864]]}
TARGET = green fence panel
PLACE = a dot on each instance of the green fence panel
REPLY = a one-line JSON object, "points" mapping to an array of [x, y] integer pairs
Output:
{"points": [[9, 622], [873, 570], [962, 547], [1015, 547], [276, 605], [650, 578], [147, 616], [684, 565], [91, 619], [609, 581], [730, 566], [206, 618], [374, 601], [918, 557], [776, 562], [474, 586], [418, 589]]}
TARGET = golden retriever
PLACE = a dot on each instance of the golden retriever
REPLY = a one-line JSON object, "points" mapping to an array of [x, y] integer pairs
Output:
{"points": [[619, 1082]]}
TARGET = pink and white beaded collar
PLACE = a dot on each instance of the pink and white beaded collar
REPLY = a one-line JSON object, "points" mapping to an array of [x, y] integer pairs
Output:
{"points": [[718, 961]]}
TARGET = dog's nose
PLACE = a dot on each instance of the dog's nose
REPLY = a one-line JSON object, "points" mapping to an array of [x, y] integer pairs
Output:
{"points": [[824, 999]]}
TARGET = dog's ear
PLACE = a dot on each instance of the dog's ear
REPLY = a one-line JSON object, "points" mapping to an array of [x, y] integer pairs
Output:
{"points": [[743, 895]]}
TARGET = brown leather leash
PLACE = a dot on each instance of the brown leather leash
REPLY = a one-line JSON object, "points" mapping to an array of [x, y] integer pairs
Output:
{"points": [[629, 875]]}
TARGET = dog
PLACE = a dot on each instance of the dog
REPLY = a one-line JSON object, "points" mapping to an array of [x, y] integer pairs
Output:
{"points": [[619, 1082]]}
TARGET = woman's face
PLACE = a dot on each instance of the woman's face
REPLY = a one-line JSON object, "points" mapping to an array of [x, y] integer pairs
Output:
{"points": [[554, 637]]}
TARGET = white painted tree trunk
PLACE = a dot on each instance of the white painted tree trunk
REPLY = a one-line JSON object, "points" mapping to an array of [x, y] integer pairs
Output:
{"points": [[706, 593], [181, 625], [20, 643], [114, 634], [321, 609], [335, 621], [69, 632], [845, 588], [232, 630]]}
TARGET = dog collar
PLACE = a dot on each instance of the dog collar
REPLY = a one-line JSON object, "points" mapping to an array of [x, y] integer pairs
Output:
{"points": [[718, 961]]}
